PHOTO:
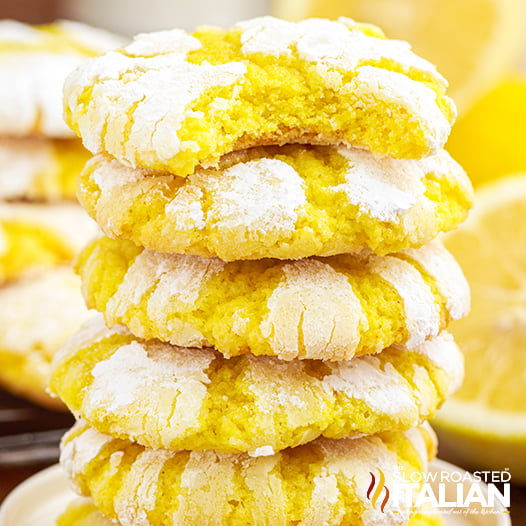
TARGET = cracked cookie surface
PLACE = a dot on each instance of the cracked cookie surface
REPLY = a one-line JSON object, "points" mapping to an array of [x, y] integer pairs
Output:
{"points": [[172, 101], [323, 482], [321, 308], [284, 202], [163, 396]]}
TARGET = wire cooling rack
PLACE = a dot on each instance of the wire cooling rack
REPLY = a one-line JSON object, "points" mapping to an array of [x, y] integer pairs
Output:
{"points": [[29, 435]]}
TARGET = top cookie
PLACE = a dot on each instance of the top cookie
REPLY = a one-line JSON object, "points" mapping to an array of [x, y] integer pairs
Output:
{"points": [[34, 61], [171, 101]]}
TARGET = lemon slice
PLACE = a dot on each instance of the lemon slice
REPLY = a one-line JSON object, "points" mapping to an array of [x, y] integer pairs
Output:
{"points": [[484, 424], [473, 42], [488, 141]]}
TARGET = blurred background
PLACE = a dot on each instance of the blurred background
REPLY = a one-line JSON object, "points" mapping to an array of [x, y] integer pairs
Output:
{"points": [[480, 47]]}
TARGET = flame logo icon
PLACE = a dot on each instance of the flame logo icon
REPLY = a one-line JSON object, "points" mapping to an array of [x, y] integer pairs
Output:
{"points": [[375, 490]]}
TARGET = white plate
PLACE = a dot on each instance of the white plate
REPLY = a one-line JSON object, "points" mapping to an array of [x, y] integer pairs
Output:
{"points": [[40, 499]]}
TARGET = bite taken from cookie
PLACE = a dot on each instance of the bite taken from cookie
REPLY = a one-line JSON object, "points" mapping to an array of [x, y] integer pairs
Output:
{"points": [[172, 101]]}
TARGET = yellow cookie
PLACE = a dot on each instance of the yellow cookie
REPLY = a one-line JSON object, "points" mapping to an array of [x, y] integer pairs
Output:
{"points": [[34, 61], [172, 101], [37, 236], [37, 315], [320, 308], [40, 169], [163, 396], [82, 512], [283, 202], [323, 482]]}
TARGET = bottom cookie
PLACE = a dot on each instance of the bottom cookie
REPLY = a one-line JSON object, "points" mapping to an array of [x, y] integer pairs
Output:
{"points": [[323, 482], [82, 512], [37, 314]]}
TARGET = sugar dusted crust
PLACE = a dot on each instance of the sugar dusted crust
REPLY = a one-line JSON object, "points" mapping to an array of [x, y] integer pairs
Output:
{"points": [[323, 482], [40, 169], [172, 101], [320, 308], [285, 202], [34, 61], [163, 396], [37, 315]]}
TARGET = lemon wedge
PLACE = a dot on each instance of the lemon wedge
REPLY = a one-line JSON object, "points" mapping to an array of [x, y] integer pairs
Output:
{"points": [[488, 141], [484, 424]]}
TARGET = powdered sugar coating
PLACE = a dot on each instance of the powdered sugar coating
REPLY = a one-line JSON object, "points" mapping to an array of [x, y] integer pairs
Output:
{"points": [[337, 43], [331, 44], [400, 91], [166, 396], [422, 313], [161, 87], [173, 278], [445, 354], [364, 378], [311, 292], [259, 195], [442, 266]]}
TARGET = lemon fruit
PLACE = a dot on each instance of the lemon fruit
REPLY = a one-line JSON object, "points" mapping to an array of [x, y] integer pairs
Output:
{"points": [[484, 425], [488, 141], [473, 42]]}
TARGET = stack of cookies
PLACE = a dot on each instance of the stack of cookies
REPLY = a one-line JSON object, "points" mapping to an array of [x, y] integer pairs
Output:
{"points": [[41, 227], [273, 300]]}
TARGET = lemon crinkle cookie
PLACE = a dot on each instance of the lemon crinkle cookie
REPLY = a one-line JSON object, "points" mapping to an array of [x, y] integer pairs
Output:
{"points": [[323, 482], [82, 512], [172, 101], [40, 169], [320, 308], [163, 396], [37, 236], [37, 315], [36, 60], [283, 202]]}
